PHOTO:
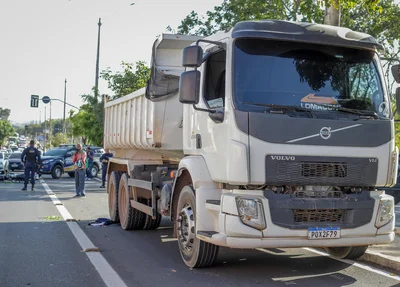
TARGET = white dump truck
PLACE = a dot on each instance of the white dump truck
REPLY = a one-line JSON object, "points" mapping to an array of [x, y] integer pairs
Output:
{"points": [[273, 134]]}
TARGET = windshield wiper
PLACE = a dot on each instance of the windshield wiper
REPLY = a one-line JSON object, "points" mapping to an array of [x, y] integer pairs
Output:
{"points": [[282, 107], [364, 113]]}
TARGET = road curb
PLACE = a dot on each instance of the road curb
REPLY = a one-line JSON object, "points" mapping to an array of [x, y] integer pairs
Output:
{"points": [[385, 261]]}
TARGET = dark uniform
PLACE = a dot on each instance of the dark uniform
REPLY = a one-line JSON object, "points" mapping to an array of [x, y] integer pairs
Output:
{"points": [[31, 158], [104, 160]]}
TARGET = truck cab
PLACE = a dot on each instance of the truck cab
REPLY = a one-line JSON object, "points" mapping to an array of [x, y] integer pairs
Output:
{"points": [[287, 133]]}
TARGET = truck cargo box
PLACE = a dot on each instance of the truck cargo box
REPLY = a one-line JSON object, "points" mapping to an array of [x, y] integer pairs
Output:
{"points": [[151, 118]]}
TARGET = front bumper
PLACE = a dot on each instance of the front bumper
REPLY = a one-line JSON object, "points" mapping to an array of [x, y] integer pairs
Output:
{"points": [[221, 225]]}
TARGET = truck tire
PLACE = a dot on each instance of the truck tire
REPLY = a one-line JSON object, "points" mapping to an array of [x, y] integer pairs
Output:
{"points": [[194, 252], [130, 218], [149, 222], [347, 252], [113, 187], [57, 172], [71, 174]]}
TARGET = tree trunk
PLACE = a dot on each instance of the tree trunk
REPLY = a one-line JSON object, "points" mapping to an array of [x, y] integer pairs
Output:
{"points": [[332, 15]]}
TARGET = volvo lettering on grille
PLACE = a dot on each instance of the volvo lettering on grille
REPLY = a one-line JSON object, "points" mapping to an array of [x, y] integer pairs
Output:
{"points": [[283, 157]]}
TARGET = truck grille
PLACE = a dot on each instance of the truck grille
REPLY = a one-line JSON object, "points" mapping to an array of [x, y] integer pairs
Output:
{"points": [[324, 169], [312, 170], [318, 215]]}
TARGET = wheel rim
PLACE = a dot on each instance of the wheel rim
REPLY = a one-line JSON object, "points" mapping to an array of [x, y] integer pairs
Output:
{"points": [[122, 204], [186, 228], [94, 171], [58, 172]]}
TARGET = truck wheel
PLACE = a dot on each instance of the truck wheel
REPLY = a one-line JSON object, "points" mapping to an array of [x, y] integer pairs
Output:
{"points": [[57, 172], [71, 174], [113, 187], [130, 217], [149, 222], [194, 252], [347, 252]]}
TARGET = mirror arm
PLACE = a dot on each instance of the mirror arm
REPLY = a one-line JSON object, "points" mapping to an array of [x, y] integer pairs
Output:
{"points": [[219, 44], [203, 110]]}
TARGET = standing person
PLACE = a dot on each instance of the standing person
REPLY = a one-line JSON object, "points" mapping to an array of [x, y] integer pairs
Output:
{"points": [[79, 160], [104, 160], [30, 159], [90, 157]]}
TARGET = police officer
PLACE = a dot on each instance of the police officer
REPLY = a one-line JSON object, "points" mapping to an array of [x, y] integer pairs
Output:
{"points": [[30, 159], [104, 160]]}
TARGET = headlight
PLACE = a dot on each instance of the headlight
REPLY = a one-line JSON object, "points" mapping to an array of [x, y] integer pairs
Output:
{"points": [[251, 212], [385, 212], [47, 161]]}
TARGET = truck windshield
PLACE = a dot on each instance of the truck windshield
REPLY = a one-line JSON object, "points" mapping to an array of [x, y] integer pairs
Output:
{"points": [[310, 76]]}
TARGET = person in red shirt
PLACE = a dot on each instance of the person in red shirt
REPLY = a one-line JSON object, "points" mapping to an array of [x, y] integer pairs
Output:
{"points": [[79, 160]]}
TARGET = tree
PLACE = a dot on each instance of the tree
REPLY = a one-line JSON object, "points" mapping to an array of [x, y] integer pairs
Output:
{"points": [[4, 114], [6, 130], [58, 139], [230, 12], [132, 78]]}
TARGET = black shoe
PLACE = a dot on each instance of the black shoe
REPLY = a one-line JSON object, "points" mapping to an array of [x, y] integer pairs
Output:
{"points": [[76, 195], [33, 188], [24, 188], [102, 186]]}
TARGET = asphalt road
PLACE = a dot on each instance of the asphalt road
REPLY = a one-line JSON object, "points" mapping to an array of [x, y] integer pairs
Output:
{"points": [[38, 248]]}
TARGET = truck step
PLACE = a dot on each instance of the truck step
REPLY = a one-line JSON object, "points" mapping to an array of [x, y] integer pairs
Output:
{"points": [[206, 233], [213, 201]]}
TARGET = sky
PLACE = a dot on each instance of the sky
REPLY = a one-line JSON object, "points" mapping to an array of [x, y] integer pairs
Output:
{"points": [[44, 42]]}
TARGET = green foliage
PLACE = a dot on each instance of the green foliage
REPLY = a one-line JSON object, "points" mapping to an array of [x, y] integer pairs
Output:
{"points": [[4, 114], [58, 139], [88, 122], [132, 78], [6, 130]]}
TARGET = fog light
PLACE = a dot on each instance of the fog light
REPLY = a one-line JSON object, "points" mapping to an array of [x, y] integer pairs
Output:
{"points": [[251, 212], [385, 212]]}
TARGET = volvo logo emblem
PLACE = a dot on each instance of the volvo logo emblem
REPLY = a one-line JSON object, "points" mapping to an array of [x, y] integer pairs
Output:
{"points": [[325, 133]]}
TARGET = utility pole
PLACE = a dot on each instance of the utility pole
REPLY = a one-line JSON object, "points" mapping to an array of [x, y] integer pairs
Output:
{"points": [[45, 126], [65, 99], [51, 134], [96, 85]]}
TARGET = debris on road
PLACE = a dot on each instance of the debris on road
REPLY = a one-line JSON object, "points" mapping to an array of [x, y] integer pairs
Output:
{"points": [[101, 222], [91, 249]]}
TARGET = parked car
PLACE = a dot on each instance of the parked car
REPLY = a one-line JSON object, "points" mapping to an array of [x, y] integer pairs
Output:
{"points": [[13, 162], [58, 161], [2, 162]]}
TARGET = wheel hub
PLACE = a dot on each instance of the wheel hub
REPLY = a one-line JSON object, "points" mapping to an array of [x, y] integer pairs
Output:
{"points": [[186, 227]]}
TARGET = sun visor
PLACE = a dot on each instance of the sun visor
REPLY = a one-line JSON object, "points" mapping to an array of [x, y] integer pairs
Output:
{"points": [[166, 65]]}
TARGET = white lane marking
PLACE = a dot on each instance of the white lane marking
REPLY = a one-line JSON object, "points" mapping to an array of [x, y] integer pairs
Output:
{"points": [[168, 239], [357, 264], [106, 272]]}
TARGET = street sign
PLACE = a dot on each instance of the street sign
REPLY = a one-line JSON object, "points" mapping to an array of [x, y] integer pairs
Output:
{"points": [[46, 99], [34, 101]]}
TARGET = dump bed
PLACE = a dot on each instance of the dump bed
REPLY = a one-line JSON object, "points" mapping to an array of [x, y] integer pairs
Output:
{"points": [[151, 118]]}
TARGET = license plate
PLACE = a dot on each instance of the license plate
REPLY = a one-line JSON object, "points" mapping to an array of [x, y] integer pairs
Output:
{"points": [[323, 233], [14, 165]]}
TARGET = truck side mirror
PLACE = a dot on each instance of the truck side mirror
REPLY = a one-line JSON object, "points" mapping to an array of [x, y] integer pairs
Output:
{"points": [[396, 73], [192, 56], [398, 100], [189, 86]]}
